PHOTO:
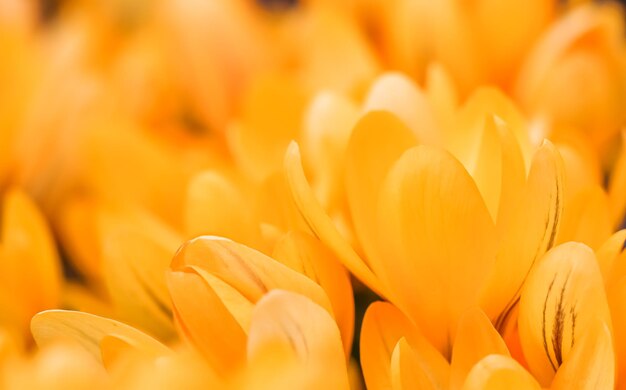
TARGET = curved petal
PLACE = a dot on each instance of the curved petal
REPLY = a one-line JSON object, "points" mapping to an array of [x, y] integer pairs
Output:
{"points": [[531, 230], [428, 203], [591, 363], [31, 271], [377, 141], [307, 255], [561, 298], [297, 323], [205, 321], [89, 331], [328, 125], [463, 139], [397, 94], [499, 170], [499, 372], [442, 94], [248, 271], [135, 255], [475, 339], [407, 371], [383, 326], [320, 223]]}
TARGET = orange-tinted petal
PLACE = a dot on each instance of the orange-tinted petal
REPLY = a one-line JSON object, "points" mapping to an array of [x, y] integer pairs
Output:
{"points": [[309, 256], [476, 338], [531, 229], [562, 297], [320, 224], [499, 372], [296, 322], [89, 330], [591, 363], [383, 326], [377, 141], [427, 201], [205, 321]]}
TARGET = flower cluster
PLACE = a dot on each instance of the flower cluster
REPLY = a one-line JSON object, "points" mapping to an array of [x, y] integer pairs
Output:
{"points": [[313, 194]]}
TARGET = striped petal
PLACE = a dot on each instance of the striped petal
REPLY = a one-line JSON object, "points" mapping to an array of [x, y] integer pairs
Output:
{"points": [[591, 364], [561, 298]]}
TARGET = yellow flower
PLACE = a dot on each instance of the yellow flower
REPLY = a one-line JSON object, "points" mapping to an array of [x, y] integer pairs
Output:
{"points": [[565, 331], [487, 203], [291, 341], [231, 278]]}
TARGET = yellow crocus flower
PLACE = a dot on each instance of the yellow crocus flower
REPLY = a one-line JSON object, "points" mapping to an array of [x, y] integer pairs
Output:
{"points": [[392, 187], [290, 340], [232, 278]]}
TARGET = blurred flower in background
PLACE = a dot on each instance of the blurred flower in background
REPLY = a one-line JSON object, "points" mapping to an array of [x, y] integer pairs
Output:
{"points": [[312, 194]]}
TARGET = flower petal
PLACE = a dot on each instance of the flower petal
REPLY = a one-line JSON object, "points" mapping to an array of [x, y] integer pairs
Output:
{"points": [[463, 139], [250, 272], [591, 363], [205, 321], [407, 371], [89, 330], [429, 201], [475, 339], [383, 326], [397, 94], [328, 125], [295, 321], [136, 252], [377, 141], [531, 230], [31, 271], [320, 223], [561, 298], [499, 372], [307, 255]]}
